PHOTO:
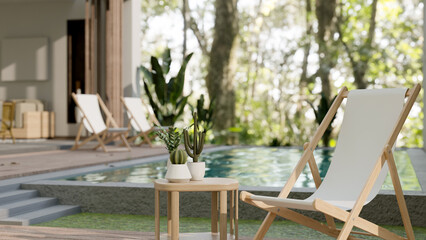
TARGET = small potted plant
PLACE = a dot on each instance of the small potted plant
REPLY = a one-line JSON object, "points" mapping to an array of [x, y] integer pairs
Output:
{"points": [[177, 170], [171, 137], [197, 169]]}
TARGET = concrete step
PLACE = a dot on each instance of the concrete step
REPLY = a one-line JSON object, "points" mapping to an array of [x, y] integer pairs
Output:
{"points": [[9, 187], [17, 195], [42, 215], [25, 206]]}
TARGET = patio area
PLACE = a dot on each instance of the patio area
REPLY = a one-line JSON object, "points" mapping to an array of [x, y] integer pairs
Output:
{"points": [[27, 158], [36, 157]]}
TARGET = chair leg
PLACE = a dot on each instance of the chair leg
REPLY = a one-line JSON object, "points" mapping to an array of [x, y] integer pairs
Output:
{"points": [[131, 139], [263, 229], [101, 143], [77, 138], [11, 135], [76, 146], [399, 194], [342, 215], [330, 221], [145, 139], [123, 139]]}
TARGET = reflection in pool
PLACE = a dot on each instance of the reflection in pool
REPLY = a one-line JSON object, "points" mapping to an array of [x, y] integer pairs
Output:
{"points": [[254, 166]]}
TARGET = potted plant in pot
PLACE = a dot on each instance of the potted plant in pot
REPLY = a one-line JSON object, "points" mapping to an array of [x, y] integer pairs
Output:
{"points": [[177, 170], [171, 137], [197, 169]]}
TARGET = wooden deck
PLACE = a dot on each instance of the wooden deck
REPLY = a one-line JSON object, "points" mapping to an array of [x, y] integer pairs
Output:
{"points": [[24, 164], [27, 233], [49, 233]]}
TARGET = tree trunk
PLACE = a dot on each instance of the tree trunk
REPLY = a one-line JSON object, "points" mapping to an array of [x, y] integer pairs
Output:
{"points": [[221, 68], [325, 12]]}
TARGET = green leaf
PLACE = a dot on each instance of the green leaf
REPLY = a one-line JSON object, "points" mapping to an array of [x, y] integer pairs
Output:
{"points": [[172, 91], [180, 78], [146, 73], [151, 100], [166, 61], [158, 80], [181, 106]]}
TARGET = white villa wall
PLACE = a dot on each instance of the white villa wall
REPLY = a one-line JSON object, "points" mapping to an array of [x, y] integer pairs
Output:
{"points": [[131, 46], [27, 19], [48, 18]]}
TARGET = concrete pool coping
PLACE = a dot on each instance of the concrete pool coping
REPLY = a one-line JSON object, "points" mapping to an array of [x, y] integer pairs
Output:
{"points": [[137, 198]]}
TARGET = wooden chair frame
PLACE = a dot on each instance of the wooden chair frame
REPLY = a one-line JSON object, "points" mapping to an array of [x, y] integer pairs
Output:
{"points": [[351, 219], [142, 134], [101, 137], [6, 127]]}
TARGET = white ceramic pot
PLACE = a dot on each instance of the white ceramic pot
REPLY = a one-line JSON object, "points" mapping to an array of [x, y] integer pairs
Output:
{"points": [[170, 163], [197, 169], [178, 173]]}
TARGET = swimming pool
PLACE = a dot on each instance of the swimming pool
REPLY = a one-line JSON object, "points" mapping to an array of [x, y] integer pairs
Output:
{"points": [[252, 166]]}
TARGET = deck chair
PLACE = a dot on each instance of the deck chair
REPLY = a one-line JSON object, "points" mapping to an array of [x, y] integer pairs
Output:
{"points": [[92, 120], [137, 112], [361, 161], [8, 116]]}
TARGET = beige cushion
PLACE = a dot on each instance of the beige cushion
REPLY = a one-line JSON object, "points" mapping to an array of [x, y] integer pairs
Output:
{"points": [[39, 104]]}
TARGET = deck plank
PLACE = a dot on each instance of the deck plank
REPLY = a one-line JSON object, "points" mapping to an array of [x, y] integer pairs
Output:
{"points": [[53, 233]]}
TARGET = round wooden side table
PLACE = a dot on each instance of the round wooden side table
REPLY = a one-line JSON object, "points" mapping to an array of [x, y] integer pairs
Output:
{"points": [[214, 185]]}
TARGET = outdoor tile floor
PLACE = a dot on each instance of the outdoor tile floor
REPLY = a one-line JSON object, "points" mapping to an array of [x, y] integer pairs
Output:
{"points": [[29, 163]]}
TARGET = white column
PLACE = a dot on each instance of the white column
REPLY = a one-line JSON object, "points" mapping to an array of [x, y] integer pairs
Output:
{"points": [[131, 46]]}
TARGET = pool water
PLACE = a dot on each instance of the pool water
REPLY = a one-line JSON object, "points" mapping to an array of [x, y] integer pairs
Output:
{"points": [[253, 166]]}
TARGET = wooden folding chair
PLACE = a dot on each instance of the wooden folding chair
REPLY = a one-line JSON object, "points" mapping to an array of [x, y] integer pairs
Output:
{"points": [[362, 158], [137, 112], [92, 120], [8, 116]]}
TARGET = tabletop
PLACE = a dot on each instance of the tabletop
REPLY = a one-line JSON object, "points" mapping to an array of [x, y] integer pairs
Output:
{"points": [[205, 185]]}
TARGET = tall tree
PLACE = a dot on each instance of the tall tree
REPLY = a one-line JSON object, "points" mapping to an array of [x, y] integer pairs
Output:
{"points": [[325, 11], [359, 54], [222, 63]]}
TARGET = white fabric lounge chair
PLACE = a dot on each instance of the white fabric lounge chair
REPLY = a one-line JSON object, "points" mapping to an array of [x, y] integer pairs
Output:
{"points": [[361, 161], [137, 112], [92, 120]]}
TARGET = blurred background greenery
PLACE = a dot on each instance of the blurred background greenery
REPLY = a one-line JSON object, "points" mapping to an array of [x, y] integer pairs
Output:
{"points": [[269, 65]]}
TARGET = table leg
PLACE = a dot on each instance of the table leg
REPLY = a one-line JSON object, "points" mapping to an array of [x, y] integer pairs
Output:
{"points": [[236, 214], [175, 215], [231, 213], [157, 215], [169, 214], [214, 206], [223, 215]]}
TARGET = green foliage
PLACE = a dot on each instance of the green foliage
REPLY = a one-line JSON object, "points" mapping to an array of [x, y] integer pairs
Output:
{"points": [[271, 85], [178, 156], [166, 98], [320, 112], [171, 137], [204, 114]]}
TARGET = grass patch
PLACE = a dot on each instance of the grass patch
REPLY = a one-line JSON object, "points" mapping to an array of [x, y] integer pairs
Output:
{"points": [[141, 223]]}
